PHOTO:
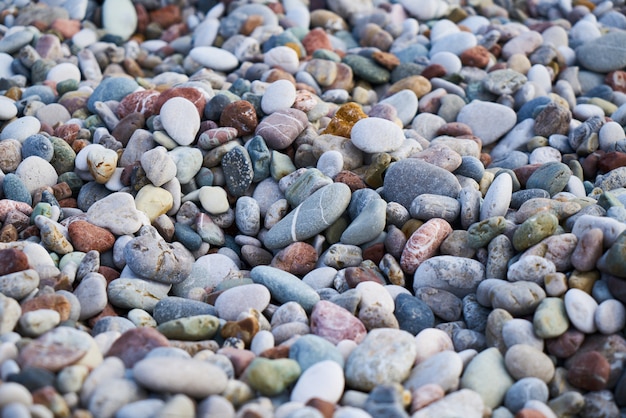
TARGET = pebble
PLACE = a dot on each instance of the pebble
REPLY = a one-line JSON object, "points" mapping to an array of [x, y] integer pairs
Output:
{"points": [[374, 135], [163, 374], [385, 356], [481, 117]]}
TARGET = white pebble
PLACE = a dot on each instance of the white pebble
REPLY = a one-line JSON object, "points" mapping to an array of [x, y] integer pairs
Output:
{"points": [[284, 57], [610, 317], [279, 95], [581, 308]]}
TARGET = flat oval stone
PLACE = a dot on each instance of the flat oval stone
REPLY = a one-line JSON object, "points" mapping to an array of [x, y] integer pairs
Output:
{"points": [[524, 390], [238, 299], [610, 316], [56, 349], [36, 172], [443, 369], [489, 121], [284, 286], [552, 177], [534, 229], [217, 59], [527, 361], [550, 319], [21, 128], [194, 378], [374, 135], [581, 308], [518, 298], [119, 18], [271, 376], [402, 181], [131, 293], [424, 243], [456, 275], [238, 170], [180, 120], [307, 386], [368, 225], [498, 197], [191, 328], [281, 127], [279, 95], [314, 215], [487, 375], [602, 54]]}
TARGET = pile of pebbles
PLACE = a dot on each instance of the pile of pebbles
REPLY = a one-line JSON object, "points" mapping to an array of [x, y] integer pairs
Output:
{"points": [[296, 209]]}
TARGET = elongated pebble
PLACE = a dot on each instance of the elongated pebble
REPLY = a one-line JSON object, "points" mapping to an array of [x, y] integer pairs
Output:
{"points": [[424, 243]]}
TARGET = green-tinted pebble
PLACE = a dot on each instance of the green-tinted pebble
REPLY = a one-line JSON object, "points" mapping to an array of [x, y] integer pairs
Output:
{"points": [[367, 69], [606, 106], [41, 208], [191, 328], [615, 259], [281, 165], [608, 200], [534, 229], [74, 257], [271, 377], [72, 180], [552, 177], [550, 319], [63, 157], [67, 85], [374, 173], [334, 231], [481, 233], [92, 122], [536, 142], [326, 54]]}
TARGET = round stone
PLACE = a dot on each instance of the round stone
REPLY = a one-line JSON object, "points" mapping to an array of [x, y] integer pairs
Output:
{"points": [[374, 135]]}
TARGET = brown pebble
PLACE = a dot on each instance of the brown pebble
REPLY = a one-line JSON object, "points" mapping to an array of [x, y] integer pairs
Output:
{"points": [[298, 258], [12, 260], [109, 310], [356, 275], [611, 160], [326, 408], [590, 371], [523, 173], [529, 413], [281, 351], [109, 273], [66, 27], [53, 301], [166, 16], [617, 80], [386, 59], [454, 129], [316, 39], [352, 180], [240, 115], [566, 344], [86, 237], [244, 329], [477, 56], [8, 233], [142, 101], [374, 252], [67, 132], [134, 344], [434, 70], [127, 127]]}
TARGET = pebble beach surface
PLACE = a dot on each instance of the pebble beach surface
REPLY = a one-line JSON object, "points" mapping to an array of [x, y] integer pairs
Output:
{"points": [[294, 209]]}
